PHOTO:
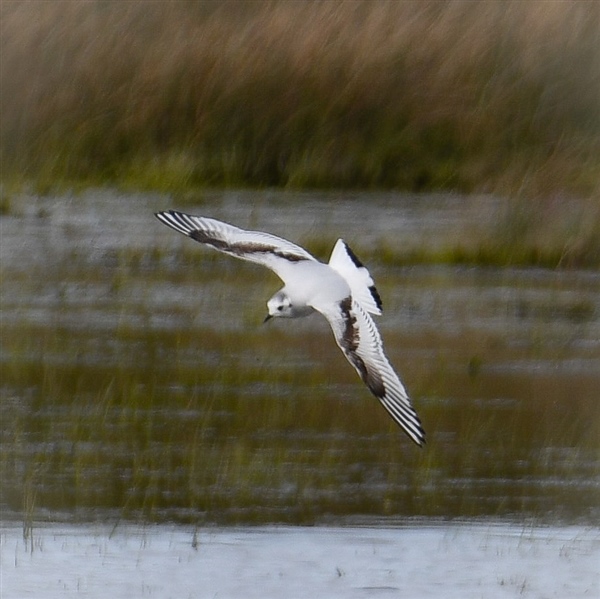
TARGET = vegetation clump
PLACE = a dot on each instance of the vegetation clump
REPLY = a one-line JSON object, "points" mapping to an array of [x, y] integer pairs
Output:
{"points": [[491, 96]]}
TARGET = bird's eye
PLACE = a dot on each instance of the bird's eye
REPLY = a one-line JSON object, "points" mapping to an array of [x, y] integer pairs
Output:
{"points": [[280, 308]]}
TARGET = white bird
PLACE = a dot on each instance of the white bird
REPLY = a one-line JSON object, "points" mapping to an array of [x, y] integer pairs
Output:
{"points": [[342, 291]]}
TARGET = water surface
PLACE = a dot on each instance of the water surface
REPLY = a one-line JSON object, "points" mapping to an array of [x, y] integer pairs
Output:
{"points": [[458, 561], [138, 383]]}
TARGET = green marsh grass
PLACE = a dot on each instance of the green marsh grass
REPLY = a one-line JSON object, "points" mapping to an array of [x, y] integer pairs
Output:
{"points": [[539, 232], [136, 384], [492, 96], [184, 424]]}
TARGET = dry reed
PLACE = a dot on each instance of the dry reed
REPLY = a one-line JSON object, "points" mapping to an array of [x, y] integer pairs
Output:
{"points": [[493, 96]]}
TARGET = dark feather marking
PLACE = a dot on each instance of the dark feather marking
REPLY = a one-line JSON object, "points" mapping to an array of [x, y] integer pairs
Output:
{"points": [[351, 340], [353, 256], [359, 264], [240, 249], [376, 296]]}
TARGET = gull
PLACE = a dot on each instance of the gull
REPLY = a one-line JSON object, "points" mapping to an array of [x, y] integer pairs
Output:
{"points": [[342, 291]]}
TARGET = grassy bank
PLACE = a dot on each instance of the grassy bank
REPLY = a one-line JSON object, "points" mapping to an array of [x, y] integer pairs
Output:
{"points": [[490, 96]]}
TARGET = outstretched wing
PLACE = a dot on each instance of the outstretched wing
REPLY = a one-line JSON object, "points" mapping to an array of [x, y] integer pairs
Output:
{"points": [[344, 261], [357, 336], [271, 251]]}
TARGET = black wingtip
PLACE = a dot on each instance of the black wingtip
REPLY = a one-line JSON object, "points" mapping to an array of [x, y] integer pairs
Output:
{"points": [[353, 256], [419, 439], [376, 297]]}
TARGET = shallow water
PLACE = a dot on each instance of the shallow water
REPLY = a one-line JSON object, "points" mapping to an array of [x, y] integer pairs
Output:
{"points": [[456, 561], [138, 383]]}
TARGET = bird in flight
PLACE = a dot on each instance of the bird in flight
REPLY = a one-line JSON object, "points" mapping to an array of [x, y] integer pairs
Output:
{"points": [[342, 291]]}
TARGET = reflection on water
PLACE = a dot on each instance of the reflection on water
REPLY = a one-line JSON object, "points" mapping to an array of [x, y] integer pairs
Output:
{"points": [[137, 381]]}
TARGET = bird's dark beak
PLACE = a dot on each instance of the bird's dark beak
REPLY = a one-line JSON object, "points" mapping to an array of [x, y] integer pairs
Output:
{"points": [[267, 317]]}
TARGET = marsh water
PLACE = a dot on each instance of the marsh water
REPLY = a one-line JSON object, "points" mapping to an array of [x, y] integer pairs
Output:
{"points": [[415, 561], [139, 385]]}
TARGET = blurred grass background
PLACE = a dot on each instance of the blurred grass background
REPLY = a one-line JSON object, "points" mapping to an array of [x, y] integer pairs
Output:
{"points": [[499, 97]]}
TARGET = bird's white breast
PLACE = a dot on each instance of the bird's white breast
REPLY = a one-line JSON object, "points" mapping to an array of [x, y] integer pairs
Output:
{"points": [[315, 284]]}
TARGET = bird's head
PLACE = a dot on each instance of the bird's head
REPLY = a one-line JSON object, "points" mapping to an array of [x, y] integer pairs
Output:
{"points": [[279, 306]]}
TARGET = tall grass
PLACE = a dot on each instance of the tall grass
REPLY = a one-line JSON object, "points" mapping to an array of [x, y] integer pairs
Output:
{"points": [[494, 96]]}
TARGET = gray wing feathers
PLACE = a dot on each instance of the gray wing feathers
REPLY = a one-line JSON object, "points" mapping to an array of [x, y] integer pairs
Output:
{"points": [[357, 336], [255, 246]]}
